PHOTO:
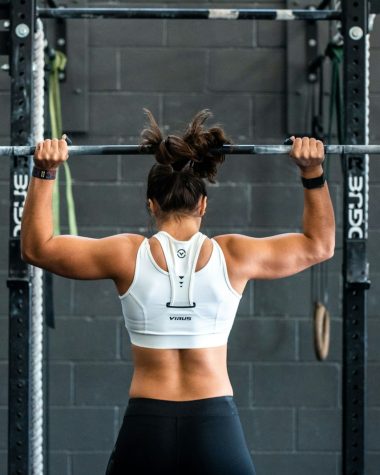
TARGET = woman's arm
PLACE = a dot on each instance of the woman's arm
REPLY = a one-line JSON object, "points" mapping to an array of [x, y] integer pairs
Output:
{"points": [[287, 254], [69, 256]]}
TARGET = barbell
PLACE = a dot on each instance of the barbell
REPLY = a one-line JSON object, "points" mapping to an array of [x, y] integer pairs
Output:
{"points": [[190, 13], [23, 150]]}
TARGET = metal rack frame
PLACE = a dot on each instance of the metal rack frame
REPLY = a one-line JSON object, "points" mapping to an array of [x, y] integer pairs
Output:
{"points": [[22, 16]]}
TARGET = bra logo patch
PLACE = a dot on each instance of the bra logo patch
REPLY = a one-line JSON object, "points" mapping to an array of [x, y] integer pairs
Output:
{"points": [[181, 253]]}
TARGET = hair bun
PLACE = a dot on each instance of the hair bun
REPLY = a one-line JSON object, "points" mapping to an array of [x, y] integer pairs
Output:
{"points": [[203, 142], [194, 148]]}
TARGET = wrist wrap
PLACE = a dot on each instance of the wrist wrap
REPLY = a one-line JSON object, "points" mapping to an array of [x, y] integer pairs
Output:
{"points": [[317, 182], [44, 174]]}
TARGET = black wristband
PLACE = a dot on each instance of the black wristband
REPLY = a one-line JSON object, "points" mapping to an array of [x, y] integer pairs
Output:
{"points": [[317, 182], [44, 174]]}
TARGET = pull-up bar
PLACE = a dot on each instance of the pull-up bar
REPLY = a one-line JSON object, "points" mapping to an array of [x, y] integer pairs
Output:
{"points": [[226, 149], [189, 13]]}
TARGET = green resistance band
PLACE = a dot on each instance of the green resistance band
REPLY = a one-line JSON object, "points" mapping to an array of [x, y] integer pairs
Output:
{"points": [[57, 65]]}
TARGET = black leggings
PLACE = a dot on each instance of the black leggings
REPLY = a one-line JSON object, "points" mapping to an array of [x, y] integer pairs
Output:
{"points": [[202, 436]]}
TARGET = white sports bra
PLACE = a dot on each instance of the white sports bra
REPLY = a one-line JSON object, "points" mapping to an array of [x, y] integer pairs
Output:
{"points": [[180, 308]]}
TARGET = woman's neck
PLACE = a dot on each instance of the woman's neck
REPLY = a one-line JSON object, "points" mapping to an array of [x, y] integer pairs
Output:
{"points": [[182, 229]]}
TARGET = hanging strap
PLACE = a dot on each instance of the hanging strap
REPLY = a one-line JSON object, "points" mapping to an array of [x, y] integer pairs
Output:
{"points": [[57, 65], [181, 259]]}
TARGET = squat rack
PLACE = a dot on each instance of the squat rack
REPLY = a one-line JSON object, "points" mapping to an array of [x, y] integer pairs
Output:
{"points": [[22, 15]]}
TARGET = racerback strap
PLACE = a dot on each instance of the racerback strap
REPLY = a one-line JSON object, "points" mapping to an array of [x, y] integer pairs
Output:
{"points": [[181, 259]]}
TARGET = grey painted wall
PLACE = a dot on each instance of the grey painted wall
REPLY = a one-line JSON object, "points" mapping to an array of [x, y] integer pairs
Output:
{"points": [[288, 401]]}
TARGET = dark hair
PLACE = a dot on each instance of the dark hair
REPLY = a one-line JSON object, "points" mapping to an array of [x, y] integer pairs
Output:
{"points": [[177, 181]]}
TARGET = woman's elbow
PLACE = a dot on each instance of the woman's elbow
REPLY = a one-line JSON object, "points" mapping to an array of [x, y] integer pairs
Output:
{"points": [[29, 257], [326, 251]]}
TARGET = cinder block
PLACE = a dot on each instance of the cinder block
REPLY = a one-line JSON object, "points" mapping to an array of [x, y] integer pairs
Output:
{"points": [[335, 263], [269, 123], [96, 298], [373, 340], [247, 70], [120, 113], [94, 169], [4, 170], [94, 463], [297, 385], [373, 248], [232, 111], [241, 382], [83, 339], [211, 33], [111, 205], [254, 169], [230, 200], [245, 306], [263, 340], [374, 196], [268, 429], [5, 116], [289, 464], [4, 245], [271, 34], [288, 297], [373, 378], [102, 384], [3, 428], [319, 430], [4, 203], [306, 341], [373, 424], [374, 135], [135, 169], [372, 463], [99, 232], [125, 343], [4, 295], [3, 461], [3, 338], [62, 296], [163, 70], [59, 463], [375, 69], [81, 428], [372, 295], [277, 204], [375, 34], [101, 78], [3, 384], [60, 384], [123, 32]]}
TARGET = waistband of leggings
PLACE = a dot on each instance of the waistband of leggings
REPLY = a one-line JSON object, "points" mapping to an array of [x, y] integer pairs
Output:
{"points": [[213, 406]]}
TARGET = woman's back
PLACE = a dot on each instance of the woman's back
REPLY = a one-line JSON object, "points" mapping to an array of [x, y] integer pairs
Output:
{"points": [[182, 373]]}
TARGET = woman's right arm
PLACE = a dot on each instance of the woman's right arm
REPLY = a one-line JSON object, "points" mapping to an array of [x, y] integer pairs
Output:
{"points": [[283, 255], [74, 257]]}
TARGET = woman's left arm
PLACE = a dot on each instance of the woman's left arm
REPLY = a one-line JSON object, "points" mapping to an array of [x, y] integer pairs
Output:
{"points": [[74, 257]]}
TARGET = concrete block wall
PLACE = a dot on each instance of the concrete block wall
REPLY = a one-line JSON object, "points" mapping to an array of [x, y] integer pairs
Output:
{"points": [[290, 403]]}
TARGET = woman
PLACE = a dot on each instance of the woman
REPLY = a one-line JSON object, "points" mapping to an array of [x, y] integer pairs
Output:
{"points": [[179, 292]]}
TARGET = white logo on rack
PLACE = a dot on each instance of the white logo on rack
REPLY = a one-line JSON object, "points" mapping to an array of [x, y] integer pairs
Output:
{"points": [[181, 253], [356, 207], [20, 188]]}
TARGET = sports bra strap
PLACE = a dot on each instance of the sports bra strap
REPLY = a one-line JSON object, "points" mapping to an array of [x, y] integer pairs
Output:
{"points": [[181, 259]]}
